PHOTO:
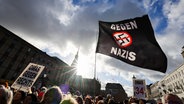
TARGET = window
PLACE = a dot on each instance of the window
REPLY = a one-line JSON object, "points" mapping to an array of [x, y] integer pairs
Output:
{"points": [[176, 75]]}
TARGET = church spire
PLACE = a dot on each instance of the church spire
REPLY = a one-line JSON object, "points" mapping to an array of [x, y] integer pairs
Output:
{"points": [[75, 61]]}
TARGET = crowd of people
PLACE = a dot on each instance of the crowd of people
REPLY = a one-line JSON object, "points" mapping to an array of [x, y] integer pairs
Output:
{"points": [[54, 95]]}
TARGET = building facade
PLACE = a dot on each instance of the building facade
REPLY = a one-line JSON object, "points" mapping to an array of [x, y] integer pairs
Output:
{"points": [[155, 93], [85, 85], [117, 91], [16, 54], [171, 83]]}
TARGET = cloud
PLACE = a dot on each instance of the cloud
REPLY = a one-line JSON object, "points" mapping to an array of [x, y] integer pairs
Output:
{"points": [[129, 90], [171, 38], [61, 27]]}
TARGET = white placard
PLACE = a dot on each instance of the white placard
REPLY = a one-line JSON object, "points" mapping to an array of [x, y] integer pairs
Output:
{"points": [[28, 77], [139, 87]]}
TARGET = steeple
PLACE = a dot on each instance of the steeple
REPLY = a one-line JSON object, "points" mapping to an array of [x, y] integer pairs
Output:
{"points": [[75, 61]]}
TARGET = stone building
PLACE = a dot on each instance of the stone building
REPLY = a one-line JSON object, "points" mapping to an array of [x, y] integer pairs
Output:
{"points": [[148, 91], [170, 83], [155, 93], [16, 54], [173, 83], [117, 91]]}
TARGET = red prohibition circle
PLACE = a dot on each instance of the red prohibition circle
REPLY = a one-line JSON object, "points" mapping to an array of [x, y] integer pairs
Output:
{"points": [[123, 39]]}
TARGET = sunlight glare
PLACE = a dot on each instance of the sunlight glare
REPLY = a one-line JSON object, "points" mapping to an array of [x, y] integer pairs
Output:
{"points": [[83, 67]]}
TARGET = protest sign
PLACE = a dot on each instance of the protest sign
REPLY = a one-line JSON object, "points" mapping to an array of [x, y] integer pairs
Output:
{"points": [[28, 77]]}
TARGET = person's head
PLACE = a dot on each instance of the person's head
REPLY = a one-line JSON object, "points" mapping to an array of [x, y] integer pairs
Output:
{"points": [[68, 99], [101, 102], [19, 96], [41, 93], [172, 99], [132, 100], [142, 101], [43, 89], [6, 85], [159, 101], [108, 96], [30, 99], [111, 101], [97, 98], [6, 96], [87, 99], [79, 99], [2, 86], [52, 96], [125, 101]]}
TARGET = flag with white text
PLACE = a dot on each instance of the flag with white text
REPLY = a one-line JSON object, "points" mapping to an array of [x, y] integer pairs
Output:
{"points": [[133, 42]]}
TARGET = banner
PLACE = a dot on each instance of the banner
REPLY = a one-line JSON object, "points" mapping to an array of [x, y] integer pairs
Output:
{"points": [[28, 77], [133, 42], [139, 88]]}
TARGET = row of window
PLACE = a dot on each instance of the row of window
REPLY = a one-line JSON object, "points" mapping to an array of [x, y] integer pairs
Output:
{"points": [[16, 54], [13, 52], [177, 84], [176, 76], [175, 81]]}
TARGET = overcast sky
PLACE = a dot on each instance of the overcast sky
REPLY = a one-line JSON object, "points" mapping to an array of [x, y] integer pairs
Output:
{"points": [[61, 27]]}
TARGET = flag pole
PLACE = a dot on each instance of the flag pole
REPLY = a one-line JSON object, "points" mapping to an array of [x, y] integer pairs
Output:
{"points": [[95, 79], [96, 40]]}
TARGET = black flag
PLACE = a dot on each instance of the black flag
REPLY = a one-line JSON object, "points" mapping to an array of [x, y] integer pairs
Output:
{"points": [[133, 42]]}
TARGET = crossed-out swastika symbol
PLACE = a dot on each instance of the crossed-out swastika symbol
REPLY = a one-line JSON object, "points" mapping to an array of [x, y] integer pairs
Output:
{"points": [[123, 39]]}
